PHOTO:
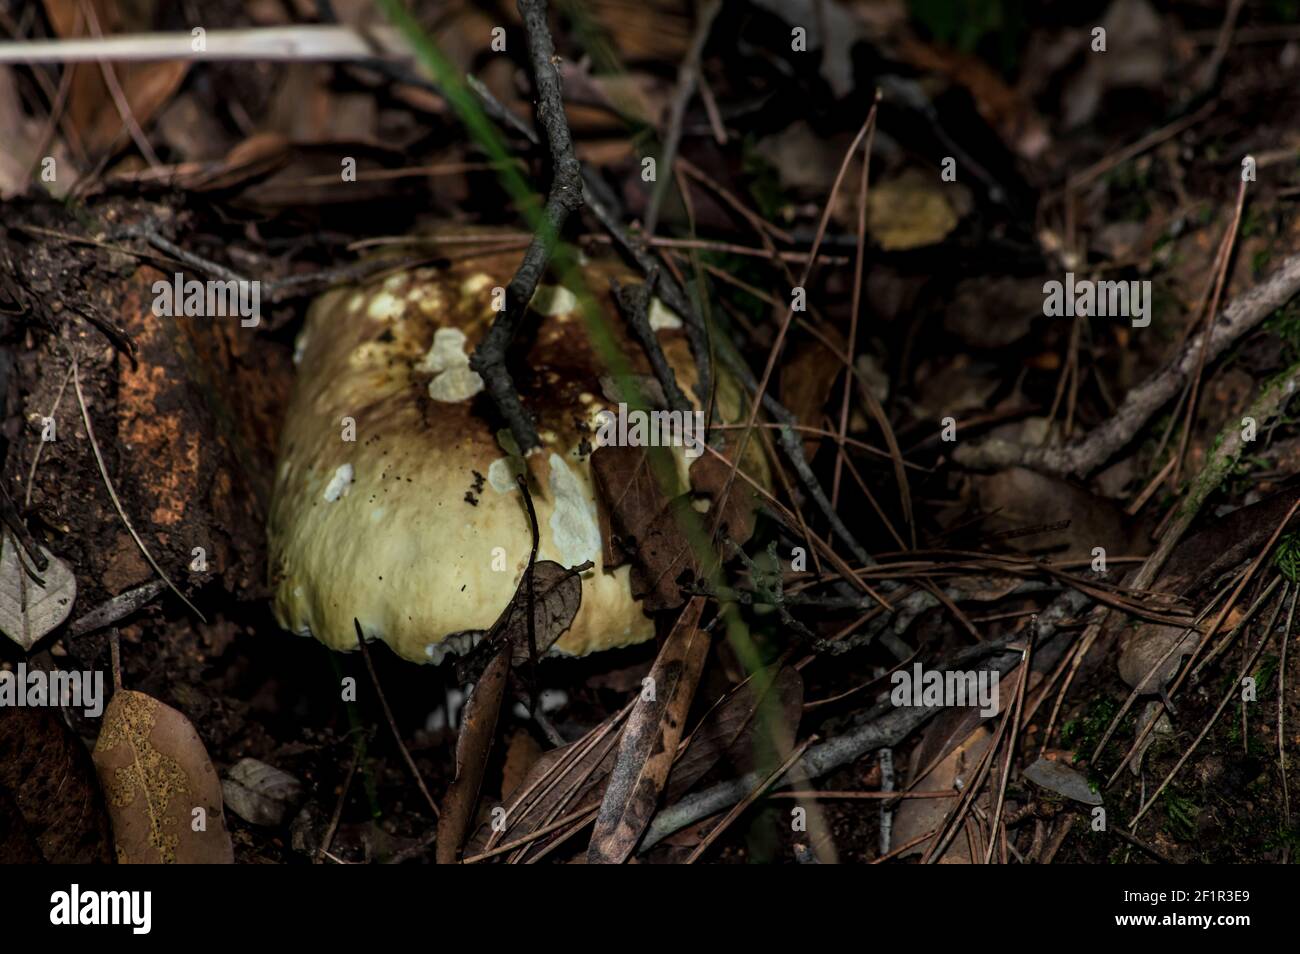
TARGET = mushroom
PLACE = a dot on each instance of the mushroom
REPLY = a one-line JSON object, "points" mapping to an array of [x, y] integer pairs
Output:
{"points": [[395, 499]]}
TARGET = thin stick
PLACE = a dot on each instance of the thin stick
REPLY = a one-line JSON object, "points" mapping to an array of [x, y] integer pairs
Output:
{"points": [[1138, 690], [634, 302], [1151, 725], [1141, 846], [1246, 578], [1205, 730], [299, 43], [1222, 259], [687, 76], [777, 345], [115, 656], [1227, 641], [108, 483], [1078, 181], [911, 844], [573, 758], [582, 815], [40, 447], [1011, 745], [823, 432], [854, 309], [829, 794], [1075, 660], [392, 723], [885, 725], [711, 109], [1083, 456], [120, 101], [56, 118], [563, 199], [1281, 707], [328, 837], [739, 808]]}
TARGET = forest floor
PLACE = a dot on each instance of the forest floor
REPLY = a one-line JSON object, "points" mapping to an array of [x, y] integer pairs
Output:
{"points": [[868, 201]]}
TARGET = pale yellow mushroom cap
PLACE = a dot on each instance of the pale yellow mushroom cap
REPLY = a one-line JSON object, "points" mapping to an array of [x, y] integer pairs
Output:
{"points": [[382, 527]]}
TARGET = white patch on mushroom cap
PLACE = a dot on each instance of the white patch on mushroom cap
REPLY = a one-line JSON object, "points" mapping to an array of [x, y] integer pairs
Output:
{"points": [[455, 384], [502, 472], [553, 300], [299, 347], [662, 317], [475, 283], [449, 364], [339, 483], [385, 307], [574, 530], [428, 298], [447, 351], [367, 353]]}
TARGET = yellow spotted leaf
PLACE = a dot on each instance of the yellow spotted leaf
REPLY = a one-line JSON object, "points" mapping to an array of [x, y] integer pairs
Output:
{"points": [[163, 795]]}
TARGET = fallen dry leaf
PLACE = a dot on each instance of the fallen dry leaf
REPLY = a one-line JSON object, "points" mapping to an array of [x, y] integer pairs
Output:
{"points": [[664, 558], [556, 598], [806, 387], [259, 793], [561, 780], [252, 160], [709, 476], [1068, 519], [23, 135], [728, 729], [909, 212], [1196, 562], [146, 86], [477, 729], [30, 609], [522, 753], [644, 523], [630, 495], [159, 785], [916, 816], [649, 741], [1063, 780]]}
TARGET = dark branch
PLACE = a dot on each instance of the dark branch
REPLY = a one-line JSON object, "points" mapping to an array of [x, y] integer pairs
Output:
{"points": [[634, 302], [564, 198]]}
